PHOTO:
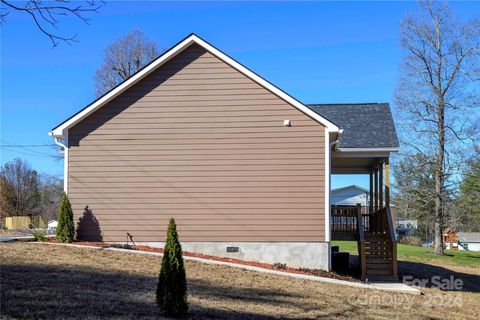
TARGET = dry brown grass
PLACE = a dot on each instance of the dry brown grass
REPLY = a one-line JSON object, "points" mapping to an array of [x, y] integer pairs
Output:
{"points": [[48, 281]]}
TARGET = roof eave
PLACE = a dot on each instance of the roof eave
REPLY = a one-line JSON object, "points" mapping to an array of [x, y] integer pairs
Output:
{"points": [[366, 149]]}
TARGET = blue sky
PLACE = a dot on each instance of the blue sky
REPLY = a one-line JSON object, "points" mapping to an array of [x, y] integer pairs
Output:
{"points": [[319, 52]]}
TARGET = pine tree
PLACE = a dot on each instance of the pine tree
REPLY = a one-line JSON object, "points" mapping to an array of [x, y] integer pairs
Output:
{"points": [[172, 281], [65, 231]]}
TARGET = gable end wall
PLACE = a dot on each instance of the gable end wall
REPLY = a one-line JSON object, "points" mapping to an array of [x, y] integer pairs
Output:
{"points": [[198, 141]]}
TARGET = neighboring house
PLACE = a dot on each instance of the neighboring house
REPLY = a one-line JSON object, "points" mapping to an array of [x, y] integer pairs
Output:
{"points": [[464, 241], [52, 224], [406, 227], [350, 196], [243, 167], [469, 241]]}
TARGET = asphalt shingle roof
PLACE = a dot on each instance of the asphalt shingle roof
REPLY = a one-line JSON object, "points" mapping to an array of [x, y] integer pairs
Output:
{"points": [[366, 125]]}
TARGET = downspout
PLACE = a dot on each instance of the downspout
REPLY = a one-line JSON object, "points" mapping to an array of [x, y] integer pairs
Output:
{"points": [[58, 143], [333, 144], [336, 143], [61, 143]]}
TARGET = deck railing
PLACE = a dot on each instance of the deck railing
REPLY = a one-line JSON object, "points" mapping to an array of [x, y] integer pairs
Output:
{"points": [[344, 218], [353, 222]]}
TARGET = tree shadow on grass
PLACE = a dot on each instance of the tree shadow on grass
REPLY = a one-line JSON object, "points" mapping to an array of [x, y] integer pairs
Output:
{"points": [[46, 291]]}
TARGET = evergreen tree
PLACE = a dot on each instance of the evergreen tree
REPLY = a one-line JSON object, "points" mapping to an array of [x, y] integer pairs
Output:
{"points": [[469, 198], [65, 230], [172, 281]]}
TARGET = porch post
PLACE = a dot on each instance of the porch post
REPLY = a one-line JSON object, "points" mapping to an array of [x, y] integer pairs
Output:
{"points": [[380, 185], [387, 183], [376, 186], [370, 208]]}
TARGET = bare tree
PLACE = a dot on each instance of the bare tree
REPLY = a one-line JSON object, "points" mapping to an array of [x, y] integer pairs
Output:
{"points": [[437, 92], [19, 192], [123, 58], [46, 15], [51, 190]]}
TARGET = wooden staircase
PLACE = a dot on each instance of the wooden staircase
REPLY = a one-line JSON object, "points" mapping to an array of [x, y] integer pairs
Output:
{"points": [[379, 257], [377, 245]]}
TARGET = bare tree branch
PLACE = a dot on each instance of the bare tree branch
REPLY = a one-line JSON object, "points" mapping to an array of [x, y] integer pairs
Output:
{"points": [[43, 15], [123, 58]]}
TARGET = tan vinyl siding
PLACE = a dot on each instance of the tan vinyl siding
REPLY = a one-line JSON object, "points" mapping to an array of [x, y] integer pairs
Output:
{"points": [[199, 141]]}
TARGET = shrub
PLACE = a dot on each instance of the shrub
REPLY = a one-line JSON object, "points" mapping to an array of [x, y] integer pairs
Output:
{"points": [[65, 231], [411, 241], [39, 235], [172, 281]]}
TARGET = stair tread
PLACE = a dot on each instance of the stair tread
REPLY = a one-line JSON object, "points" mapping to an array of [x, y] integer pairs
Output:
{"points": [[386, 266], [379, 272], [378, 260], [381, 278]]}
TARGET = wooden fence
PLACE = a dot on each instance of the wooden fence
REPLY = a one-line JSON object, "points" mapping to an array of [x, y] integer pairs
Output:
{"points": [[23, 222]]}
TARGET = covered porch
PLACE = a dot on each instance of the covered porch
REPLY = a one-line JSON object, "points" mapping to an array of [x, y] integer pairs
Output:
{"points": [[363, 146], [370, 223]]}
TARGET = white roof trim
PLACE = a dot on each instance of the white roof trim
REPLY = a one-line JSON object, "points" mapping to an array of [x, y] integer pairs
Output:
{"points": [[60, 130], [386, 149]]}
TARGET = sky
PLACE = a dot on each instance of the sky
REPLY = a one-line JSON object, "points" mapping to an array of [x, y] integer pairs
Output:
{"points": [[319, 52]]}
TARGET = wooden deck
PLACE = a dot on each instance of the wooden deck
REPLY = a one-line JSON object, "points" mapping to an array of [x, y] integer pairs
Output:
{"points": [[375, 235]]}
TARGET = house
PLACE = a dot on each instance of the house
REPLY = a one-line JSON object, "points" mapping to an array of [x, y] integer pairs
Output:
{"points": [[52, 224], [469, 241], [464, 241], [406, 227], [242, 166], [350, 196]]}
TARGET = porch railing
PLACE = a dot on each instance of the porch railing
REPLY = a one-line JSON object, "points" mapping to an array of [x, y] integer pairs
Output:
{"points": [[345, 218]]}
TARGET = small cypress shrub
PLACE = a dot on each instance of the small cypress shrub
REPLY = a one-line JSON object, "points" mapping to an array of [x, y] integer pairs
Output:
{"points": [[39, 236], [172, 281], [65, 231]]}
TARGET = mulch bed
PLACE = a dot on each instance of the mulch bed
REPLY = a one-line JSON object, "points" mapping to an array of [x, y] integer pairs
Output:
{"points": [[286, 269]]}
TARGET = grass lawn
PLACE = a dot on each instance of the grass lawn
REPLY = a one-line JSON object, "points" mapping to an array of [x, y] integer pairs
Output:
{"points": [[423, 255], [48, 281]]}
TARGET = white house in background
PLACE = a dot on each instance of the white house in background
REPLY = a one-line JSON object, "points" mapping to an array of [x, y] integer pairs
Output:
{"points": [[468, 241], [350, 196], [405, 227], [52, 224]]}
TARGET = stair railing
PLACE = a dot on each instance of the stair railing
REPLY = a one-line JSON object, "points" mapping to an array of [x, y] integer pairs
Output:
{"points": [[361, 242], [390, 231]]}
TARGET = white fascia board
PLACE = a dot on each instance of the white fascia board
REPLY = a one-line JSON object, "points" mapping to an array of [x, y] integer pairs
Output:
{"points": [[60, 130], [386, 149]]}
